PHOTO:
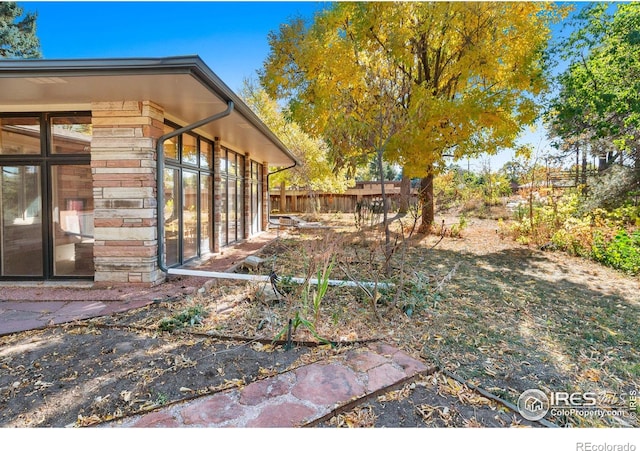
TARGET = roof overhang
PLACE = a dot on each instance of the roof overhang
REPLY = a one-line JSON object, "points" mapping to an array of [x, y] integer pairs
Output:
{"points": [[183, 86]]}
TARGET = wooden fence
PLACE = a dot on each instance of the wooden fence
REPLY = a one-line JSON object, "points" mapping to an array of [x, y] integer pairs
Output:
{"points": [[364, 193]]}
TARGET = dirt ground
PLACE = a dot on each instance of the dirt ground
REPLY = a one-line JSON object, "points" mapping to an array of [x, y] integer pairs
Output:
{"points": [[497, 315]]}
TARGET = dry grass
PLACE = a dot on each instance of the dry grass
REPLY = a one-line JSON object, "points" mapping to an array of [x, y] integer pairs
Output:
{"points": [[508, 319]]}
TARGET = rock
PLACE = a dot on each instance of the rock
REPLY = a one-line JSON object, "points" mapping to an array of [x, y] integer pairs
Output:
{"points": [[253, 262], [267, 294]]}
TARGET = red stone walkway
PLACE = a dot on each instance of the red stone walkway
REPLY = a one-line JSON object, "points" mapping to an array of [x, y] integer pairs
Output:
{"points": [[291, 399], [34, 305]]}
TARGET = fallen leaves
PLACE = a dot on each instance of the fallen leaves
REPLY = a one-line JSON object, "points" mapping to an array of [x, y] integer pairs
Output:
{"points": [[506, 324], [41, 384], [88, 421], [448, 386], [360, 417], [429, 413], [180, 362], [397, 395]]}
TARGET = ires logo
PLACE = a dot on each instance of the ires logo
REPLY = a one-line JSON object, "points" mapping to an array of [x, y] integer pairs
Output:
{"points": [[564, 399], [534, 404]]}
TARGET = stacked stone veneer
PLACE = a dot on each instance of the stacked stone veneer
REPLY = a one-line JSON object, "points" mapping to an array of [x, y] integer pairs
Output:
{"points": [[123, 166]]}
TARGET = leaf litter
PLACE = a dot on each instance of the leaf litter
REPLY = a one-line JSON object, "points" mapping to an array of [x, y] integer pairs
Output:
{"points": [[497, 314]]}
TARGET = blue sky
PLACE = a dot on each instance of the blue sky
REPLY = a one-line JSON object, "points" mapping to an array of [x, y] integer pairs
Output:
{"points": [[231, 37]]}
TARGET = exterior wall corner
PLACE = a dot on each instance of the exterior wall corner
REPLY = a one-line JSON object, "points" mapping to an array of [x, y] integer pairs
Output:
{"points": [[124, 188]]}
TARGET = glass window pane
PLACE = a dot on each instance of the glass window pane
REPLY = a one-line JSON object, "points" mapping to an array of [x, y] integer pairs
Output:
{"points": [[71, 135], [171, 216], [231, 211], [224, 208], [239, 209], [241, 168], [259, 206], [170, 146], [19, 136], [189, 215], [72, 208], [206, 213], [189, 149], [231, 163], [206, 154], [254, 209], [21, 221]]}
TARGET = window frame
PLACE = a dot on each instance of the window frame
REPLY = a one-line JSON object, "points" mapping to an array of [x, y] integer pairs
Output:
{"points": [[180, 165], [46, 160]]}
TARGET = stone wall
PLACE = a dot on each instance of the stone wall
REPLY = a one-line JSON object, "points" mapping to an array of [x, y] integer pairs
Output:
{"points": [[123, 167]]}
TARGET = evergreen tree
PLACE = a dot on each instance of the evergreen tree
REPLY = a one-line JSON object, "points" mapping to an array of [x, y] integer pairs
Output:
{"points": [[18, 32]]}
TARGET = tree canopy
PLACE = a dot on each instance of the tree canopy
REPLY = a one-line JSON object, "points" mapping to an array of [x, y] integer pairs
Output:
{"points": [[18, 32], [415, 81], [599, 92], [315, 172]]}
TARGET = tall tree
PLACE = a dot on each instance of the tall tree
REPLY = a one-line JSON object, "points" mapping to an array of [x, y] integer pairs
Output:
{"points": [[315, 173], [414, 81], [18, 32], [599, 92]]}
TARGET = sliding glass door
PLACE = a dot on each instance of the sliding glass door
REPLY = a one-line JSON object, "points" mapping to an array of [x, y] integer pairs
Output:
{"points": [[22, 240], [72, 214], [188, 197]]}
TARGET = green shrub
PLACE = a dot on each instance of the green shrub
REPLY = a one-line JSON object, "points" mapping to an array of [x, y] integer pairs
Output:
{"points": [[621, 252], [606, 236], [188, 317]]}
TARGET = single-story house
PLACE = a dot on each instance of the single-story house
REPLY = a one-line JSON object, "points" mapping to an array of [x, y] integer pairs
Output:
{"points": [[117, 169]]}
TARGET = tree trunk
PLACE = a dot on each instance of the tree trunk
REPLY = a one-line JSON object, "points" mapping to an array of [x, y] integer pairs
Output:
{"points": [[405, 194], [283, 198], [584, 167], [426, 199], [385, 207], [577, 166], [602, 163]]}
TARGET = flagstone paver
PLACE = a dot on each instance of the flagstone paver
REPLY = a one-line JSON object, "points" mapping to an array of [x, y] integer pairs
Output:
{"points": [[290, 399]]}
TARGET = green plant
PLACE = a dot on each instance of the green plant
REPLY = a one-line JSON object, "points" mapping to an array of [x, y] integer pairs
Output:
{"points": [[621, 252], [416, 295], [286, 285], [188, 317], [318, 295], [610, 237], [456, 229], [290, 329], [311, 298], [161, 399]]}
